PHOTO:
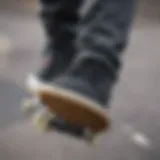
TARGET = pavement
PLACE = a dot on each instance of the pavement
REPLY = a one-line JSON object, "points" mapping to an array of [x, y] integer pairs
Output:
{"points": [[134, 109]]}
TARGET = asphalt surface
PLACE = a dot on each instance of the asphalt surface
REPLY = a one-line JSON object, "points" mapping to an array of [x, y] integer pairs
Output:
{"points": [[135, 106]]}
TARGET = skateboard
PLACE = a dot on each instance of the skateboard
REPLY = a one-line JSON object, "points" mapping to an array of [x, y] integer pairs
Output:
{"points": [[84, 117]]}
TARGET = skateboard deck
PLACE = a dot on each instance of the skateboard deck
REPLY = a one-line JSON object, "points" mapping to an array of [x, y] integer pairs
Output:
{"points": [[74, 108], [84, 117]]}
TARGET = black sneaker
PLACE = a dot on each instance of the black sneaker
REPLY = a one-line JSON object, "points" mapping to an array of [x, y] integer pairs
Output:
{"points": [[80, 95]]}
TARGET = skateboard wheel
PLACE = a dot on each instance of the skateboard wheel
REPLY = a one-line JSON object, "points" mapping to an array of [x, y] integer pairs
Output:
{"points": [[89, 136], [42, 120], [29, 105]]}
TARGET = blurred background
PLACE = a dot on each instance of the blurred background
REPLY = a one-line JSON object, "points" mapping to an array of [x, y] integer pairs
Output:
{"points": [[135, 108]]}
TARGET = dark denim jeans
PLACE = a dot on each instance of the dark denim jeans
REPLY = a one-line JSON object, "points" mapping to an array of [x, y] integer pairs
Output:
{"points": [[104, 30]]}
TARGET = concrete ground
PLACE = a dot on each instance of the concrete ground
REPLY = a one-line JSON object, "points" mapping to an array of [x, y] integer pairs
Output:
{"points": [[135, 107]]}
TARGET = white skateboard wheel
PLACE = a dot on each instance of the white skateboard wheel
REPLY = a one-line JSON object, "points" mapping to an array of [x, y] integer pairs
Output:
{"points": [[89, 135], [42, 120], [29, 105]]}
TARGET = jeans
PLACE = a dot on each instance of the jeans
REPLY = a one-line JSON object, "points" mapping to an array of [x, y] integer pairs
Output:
{"points": [[104, 28]]}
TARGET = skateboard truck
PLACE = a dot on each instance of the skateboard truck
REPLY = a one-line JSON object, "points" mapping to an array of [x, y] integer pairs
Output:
{"points": [[46, 121]]}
